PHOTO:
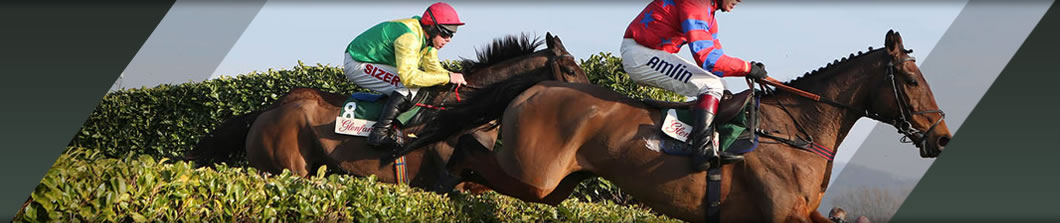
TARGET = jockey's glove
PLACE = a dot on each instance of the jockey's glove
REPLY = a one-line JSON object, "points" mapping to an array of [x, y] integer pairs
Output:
{"points": [[758, 70]]}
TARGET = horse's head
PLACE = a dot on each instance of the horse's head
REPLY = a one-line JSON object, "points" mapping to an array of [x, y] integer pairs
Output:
{"points": [[564, 67], [905, 100]]}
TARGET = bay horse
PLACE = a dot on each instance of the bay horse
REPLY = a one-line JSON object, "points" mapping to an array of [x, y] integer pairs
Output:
{"points": [[297, 132], [556, 134]]}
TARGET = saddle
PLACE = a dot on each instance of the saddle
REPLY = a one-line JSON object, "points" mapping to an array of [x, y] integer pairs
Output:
{"points": [[728, 108], [736, 112], [358, 113]]}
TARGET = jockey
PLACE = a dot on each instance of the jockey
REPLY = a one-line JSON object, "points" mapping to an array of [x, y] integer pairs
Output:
{"points": [[397, 58], [649, 52]]}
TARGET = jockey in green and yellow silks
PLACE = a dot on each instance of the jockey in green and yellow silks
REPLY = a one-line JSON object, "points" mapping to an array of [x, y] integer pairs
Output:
{"points": [[397, 58]]}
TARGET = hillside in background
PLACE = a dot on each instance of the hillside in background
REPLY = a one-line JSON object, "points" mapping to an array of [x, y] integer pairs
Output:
{"points": [[861, 190]]}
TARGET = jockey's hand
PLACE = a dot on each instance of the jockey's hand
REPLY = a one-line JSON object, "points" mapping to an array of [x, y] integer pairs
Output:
{"points": [[758, 71], [457, 78]]}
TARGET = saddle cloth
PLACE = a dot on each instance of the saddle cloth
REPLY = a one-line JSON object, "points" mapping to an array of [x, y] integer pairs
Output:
{"points": [[731, 127], [361, 110]]}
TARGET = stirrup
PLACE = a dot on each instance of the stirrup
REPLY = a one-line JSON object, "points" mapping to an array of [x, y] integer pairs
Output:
{"points": [[726, 157], [706, 161], [396, 138]]}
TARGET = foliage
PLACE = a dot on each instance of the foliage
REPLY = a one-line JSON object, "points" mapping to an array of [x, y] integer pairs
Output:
{"points": [[169, 119], [85, 186], [606, 70]]}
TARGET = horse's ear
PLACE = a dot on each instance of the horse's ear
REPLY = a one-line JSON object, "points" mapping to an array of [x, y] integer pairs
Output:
{"points": [[548, 40], [893, 42], [555, 44]]}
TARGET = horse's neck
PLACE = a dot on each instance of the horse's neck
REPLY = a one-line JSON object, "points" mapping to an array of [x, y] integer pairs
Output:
{"points": [[525, 65], [532, 64], [850, 83], [481, 77]]}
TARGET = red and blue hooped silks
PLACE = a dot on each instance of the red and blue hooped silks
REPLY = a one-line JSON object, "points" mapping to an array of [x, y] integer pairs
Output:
{"points": [[668, 25]]}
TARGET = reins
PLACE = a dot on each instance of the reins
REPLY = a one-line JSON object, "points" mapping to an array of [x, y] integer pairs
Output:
{"points": [[902, 122], [808, 143], [456, 87]]}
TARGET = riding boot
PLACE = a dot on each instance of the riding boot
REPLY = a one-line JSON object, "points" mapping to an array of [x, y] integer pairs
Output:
{"points": [[383, 132], [702, 136]]}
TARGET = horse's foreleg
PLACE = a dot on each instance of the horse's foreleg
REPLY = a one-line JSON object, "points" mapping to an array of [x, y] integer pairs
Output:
{"points": [[296, 143], [565, 188], [291, 154], [487, 171], [444, 182], [447, 182]]}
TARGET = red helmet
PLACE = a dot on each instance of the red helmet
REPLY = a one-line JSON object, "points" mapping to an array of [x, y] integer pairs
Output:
{"points": [[441, 11]]}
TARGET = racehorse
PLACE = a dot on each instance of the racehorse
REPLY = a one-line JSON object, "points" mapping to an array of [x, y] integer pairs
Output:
{"points": [[556, 134], [298, 131]]}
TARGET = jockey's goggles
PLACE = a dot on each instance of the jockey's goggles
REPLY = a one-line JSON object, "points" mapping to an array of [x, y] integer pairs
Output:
{"points": [[445, 30]]}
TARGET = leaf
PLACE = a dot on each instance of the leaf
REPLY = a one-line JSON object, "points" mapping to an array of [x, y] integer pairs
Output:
{"points": [[137, 217], [322, 171], [30, 212]]}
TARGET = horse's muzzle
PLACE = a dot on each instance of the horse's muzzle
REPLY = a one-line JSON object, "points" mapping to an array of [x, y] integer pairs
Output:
{"points": [[934, 147]]}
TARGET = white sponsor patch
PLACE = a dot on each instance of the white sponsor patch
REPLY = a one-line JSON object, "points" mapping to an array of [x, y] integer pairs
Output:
{"points": [[346, 124], [675, 128], [352, 126]]}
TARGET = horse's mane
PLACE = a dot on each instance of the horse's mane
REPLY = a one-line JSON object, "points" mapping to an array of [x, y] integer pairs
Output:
{"points": [[501, 49], [827, 69]]}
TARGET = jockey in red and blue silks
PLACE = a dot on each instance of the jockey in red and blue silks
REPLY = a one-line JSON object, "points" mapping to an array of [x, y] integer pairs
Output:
{"points": [[649, 49]]}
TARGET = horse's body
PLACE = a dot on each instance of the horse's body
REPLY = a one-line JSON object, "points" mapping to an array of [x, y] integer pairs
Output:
{"points": [[554, 133], [297, 132]]}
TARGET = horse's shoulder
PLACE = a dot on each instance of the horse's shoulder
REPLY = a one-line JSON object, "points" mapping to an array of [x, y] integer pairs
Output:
{"points": [[583, 87], [582, 91]]}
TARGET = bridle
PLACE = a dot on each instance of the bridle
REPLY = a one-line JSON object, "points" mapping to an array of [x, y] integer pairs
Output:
{"points": [[902, 122]]}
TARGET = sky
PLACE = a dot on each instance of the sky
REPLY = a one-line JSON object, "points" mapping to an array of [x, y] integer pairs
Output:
{"points": [[790, 38]]}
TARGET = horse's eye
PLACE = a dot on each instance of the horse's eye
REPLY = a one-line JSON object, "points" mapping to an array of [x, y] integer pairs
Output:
{"points": [[566, 69], [910, 79]]}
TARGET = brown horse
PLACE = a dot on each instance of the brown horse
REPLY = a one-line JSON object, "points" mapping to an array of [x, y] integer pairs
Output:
{"points": [[297, 132], [555, 134]]}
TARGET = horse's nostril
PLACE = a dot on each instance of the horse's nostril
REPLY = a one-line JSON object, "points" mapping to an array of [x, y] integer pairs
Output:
{"points": [[943, 141]]}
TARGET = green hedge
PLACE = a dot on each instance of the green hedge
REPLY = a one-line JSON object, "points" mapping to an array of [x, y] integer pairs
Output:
{"points": [[606, 70], [168, 120], [85, 186]]}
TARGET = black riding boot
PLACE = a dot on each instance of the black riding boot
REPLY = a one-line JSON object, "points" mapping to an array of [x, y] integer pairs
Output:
{"points": [[702, 136], [383, 132]]}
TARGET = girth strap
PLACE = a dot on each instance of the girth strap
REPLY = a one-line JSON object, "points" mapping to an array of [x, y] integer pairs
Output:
{"points": [[799, 143], [400, 171], [714, 194]]}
